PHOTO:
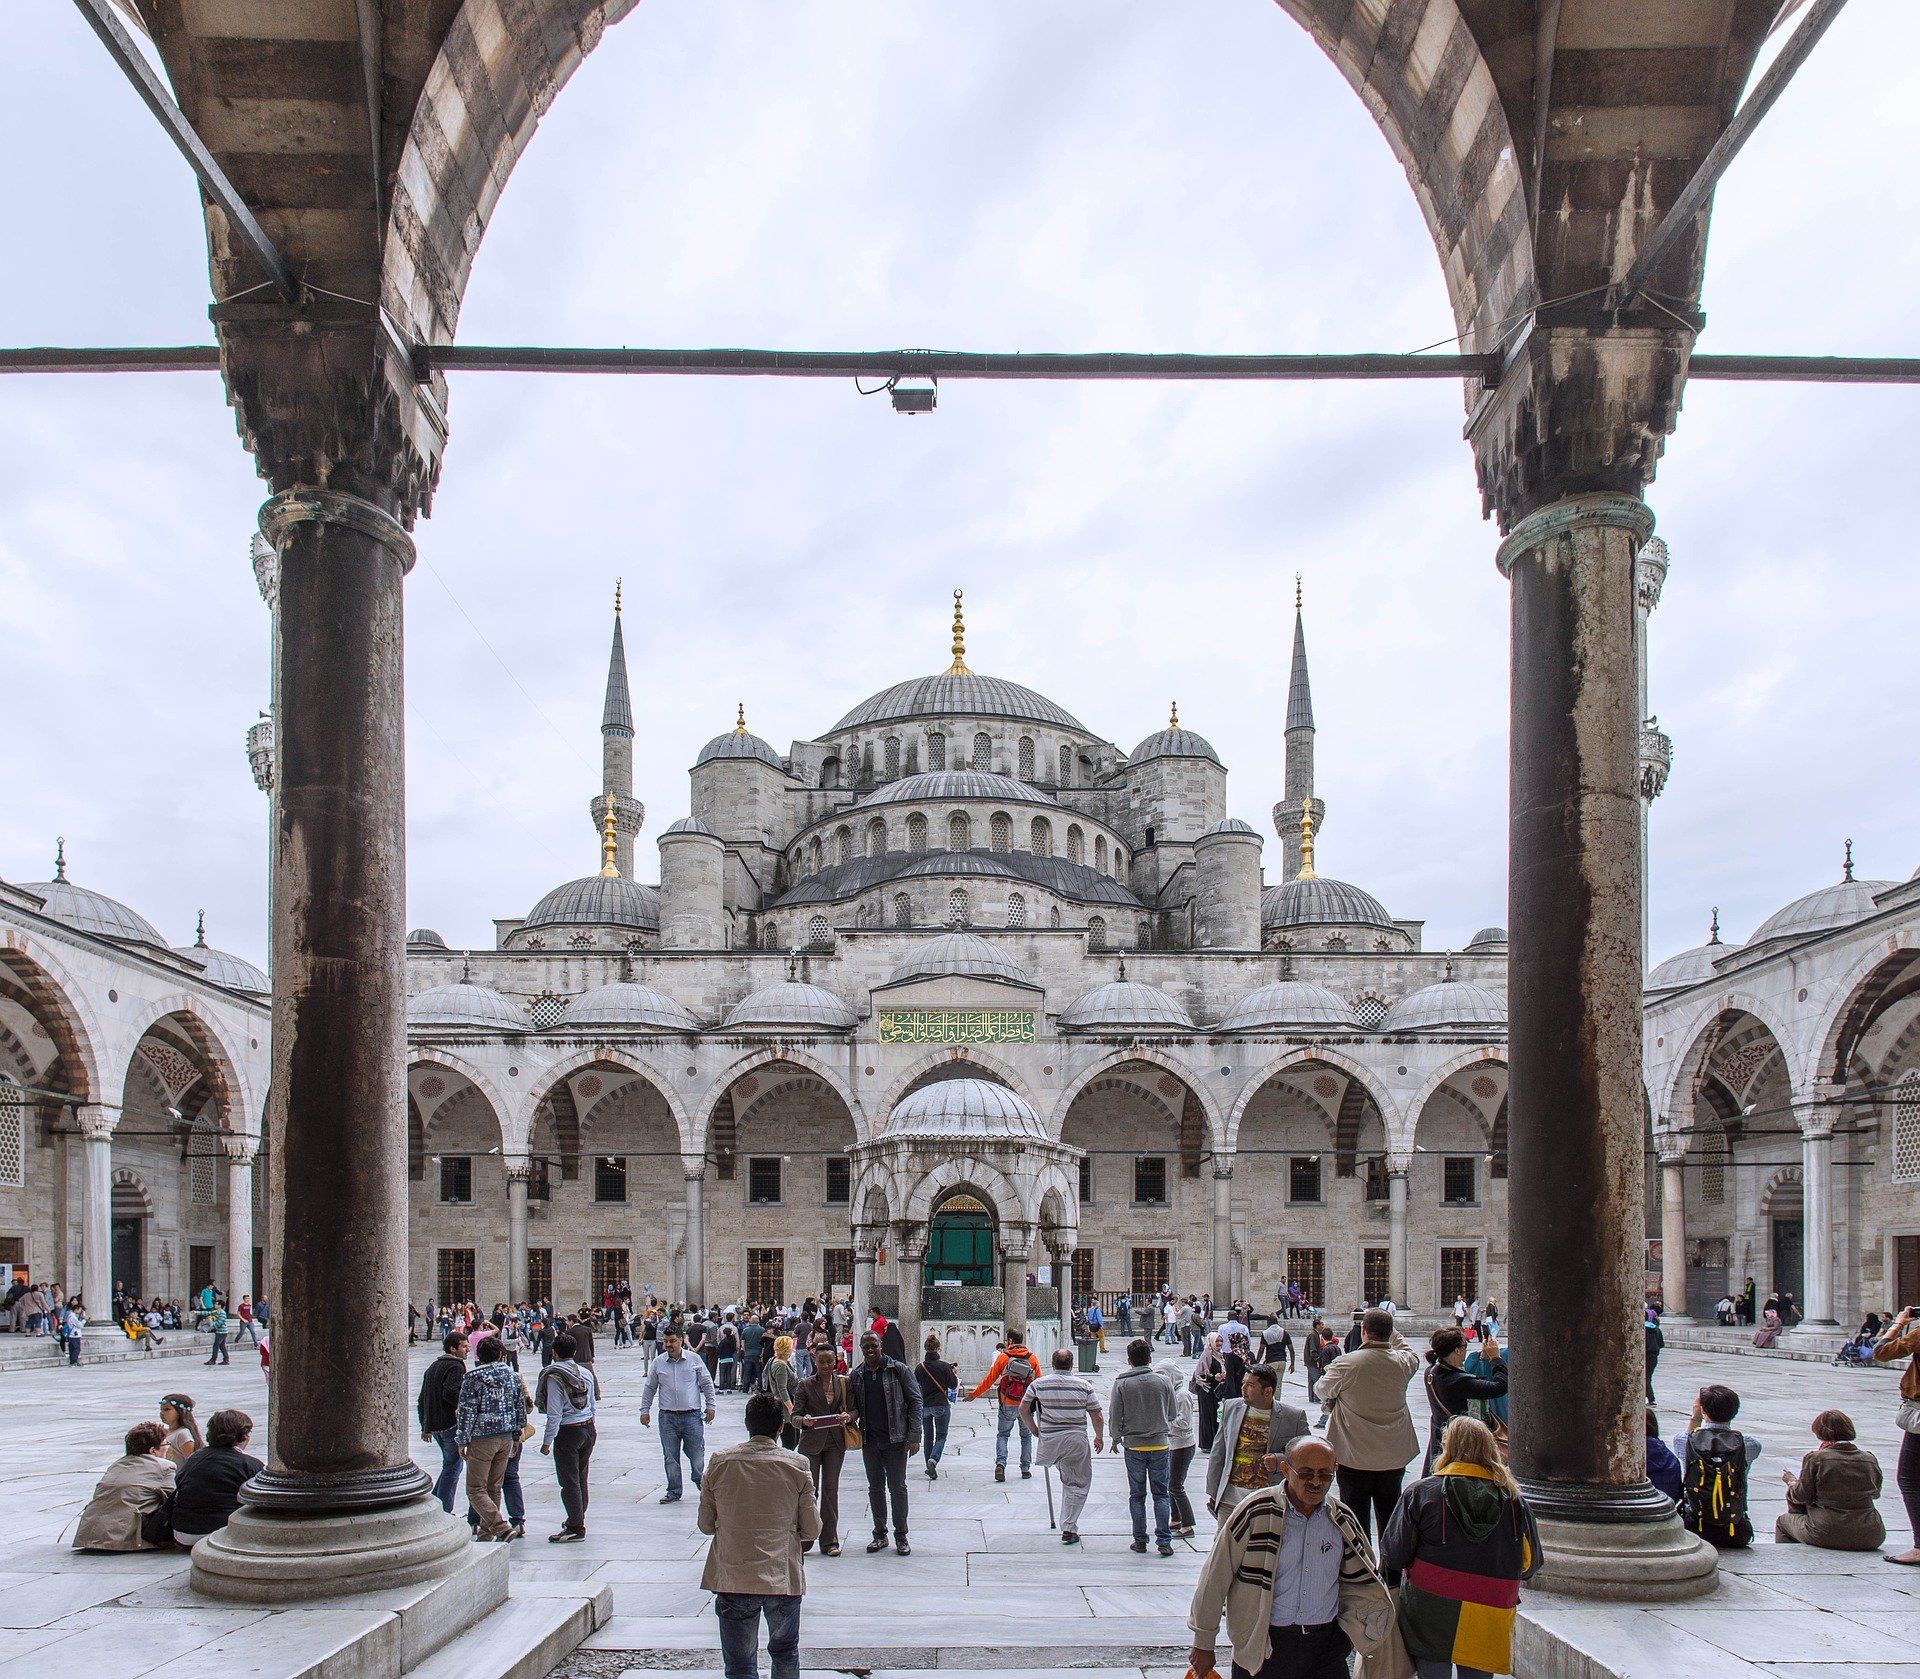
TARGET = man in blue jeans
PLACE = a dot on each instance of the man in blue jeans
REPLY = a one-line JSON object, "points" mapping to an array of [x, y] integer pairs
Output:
{"points": [[758, 1505], [439, 1409], [1140, 1411], [686, 1396]]}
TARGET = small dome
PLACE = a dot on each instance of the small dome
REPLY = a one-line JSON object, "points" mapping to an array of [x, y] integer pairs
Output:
{"points": [[963, 693], [467, 1007], [1487, 938], [629, 1006], [220, 967], [426, 938], [943, 786], [962, 953], [739, 743], [1320, 901], [597, 901], [1174, 743], [1689, 967], [1232, 825], [962, 1108], [1453, 1002], [1839, 905], [790, 1006], [1289, 1006], [689, 825], [1125, 1006], [94, 912]]}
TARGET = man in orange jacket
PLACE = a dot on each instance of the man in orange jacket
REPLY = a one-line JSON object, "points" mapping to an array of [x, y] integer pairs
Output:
{"points": [[1013, 1372]]}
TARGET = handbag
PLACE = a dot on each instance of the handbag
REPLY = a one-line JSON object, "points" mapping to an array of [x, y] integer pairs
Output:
{"points": [[1907, 1418], [850, 1435]]}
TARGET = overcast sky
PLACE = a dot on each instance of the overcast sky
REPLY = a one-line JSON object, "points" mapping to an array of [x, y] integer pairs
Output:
{"points": [[1007, 174]]}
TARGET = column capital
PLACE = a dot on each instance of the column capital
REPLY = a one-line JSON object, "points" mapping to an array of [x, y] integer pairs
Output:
{"points": [[1222, 1167], [1579, 512], [239, 1148], [96, 1121], [1670, 1153], [1818, 1121], [693, 1167], [307, 506], [519, 1168]]}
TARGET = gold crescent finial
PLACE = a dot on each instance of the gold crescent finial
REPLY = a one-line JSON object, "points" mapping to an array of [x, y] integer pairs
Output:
{"points": [[609, 846], [60, 858], [616, 597], [959, 665], [1173, 715], [1296, 591], [1306, 843], [740, 719]]}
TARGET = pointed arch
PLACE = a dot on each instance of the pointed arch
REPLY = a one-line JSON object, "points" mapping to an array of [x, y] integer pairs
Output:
{"points": [[1876, 980], [62, 1005], [965, 1172], [554, 1078], [1703, 1033], [505, 1111], [1335, 1061], [976, 1059], [721, 1086], [1215, 1123], [1483, 1055], [226, 1067]]}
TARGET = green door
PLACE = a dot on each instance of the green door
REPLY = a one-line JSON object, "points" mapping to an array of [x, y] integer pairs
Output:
{"points": [[1789, 1250], [960, 1248]]}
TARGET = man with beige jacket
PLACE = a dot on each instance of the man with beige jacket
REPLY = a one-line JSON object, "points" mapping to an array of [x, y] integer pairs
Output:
{"points": [[1369, 1426], [757, 1501]]}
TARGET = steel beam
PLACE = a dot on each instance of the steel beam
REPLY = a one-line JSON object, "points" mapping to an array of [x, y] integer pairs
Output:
{"points": [[1694, 196], [113, 34]]}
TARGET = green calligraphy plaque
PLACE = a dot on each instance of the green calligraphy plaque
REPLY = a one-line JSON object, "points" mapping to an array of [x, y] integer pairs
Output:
{"points": [[956, 1026]]}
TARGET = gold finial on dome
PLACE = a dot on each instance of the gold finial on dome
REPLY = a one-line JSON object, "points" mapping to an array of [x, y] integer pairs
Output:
{"points": [[959, 665], [616, 597], [609, 845], [740, 719], [1296, 591], [1173, 715], [1306, 843]]}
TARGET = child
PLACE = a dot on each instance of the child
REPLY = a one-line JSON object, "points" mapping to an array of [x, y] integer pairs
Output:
{"points": [[1714, 1459]]}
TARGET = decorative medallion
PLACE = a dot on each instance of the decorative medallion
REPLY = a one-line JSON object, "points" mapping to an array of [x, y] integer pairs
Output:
{"points": [[1325, 1085], [433, 1087], [747, 1086], [1170, 1086], [589, 1086], [1484, 1087]]}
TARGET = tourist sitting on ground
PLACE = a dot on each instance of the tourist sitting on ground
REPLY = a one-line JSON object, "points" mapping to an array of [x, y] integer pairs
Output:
{"points": [[1830, 1503], [1714, 1460], [129, 1510], [1465, 1539], [207, 1489], [1663, 1468], [183, 1429]]}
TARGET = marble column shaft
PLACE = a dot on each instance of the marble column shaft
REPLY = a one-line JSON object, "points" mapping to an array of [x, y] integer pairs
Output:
{"points": [[239, 1222], [1397, 1239], [1816, 1180], [96, 1229], [518, 1173], [696, 1266], [1673, 1235], [1222, 1236]]}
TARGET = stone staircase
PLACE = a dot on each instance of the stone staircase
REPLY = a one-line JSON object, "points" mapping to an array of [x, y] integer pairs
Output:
{"points": [[106, 1345]]}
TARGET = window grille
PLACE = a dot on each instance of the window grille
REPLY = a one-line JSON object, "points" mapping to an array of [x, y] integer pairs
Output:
{"points": [[983, 752], [610, 1177], [1086, 1180], [1000, 831], [819, 934], [1066, 766], [580, 941], [539, 1273], [1026, 757], [1150, 1180], [1303, 1178], [1096, 933], [1308, 1268], [902, 910], [936, 752], [547, 1010], [1370, 1009], [836, 1268], [957, 912], [766, 1274], [1374, 1274], [609, 1271], [1053, 916], [1337, 942], [916, 832], [763, 1181], [1149, 1270], [202, 1145], [843, 845], [1083, 1273], [893, 757], [1076, 844], [877, 837], [1042, 837], [839, 1180], [1713, 1166], [1906, 1132], [13, 1135], [1016, 910], [454, 1275], [456, 1180], [1459, 1275], [1458, 1188], [770, 936], [959, 831]]}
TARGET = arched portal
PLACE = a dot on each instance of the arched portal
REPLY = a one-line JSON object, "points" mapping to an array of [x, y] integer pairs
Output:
{"points": [[457, 1172], [1457, 1190], [963, 1249]]}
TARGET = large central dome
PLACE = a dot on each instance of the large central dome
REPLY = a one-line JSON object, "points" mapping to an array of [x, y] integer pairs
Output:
{"points": [[958, 694]]}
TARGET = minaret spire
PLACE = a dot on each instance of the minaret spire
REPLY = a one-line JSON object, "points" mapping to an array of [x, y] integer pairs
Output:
{"points": [[1299, 814], [616, 810], [617, 713], [1299, 688]]}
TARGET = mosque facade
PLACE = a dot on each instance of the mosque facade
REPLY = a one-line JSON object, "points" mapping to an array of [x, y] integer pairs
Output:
{"points": [[958, 994]]}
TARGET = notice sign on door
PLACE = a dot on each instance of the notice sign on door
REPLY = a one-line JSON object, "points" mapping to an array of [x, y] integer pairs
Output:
{"points": [[956, 1026]]}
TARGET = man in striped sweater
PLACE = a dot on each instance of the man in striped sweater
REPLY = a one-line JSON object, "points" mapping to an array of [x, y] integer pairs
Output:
{"points": [[1060, 1407]]}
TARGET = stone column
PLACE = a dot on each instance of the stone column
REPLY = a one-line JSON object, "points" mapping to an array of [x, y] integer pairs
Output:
{"points": [[96, 1228], [866, 1247], [697, 1236], [1673, 1235], [1016, 1249], [240, 1153], [1222, 1235], [340, 1504], [1816, 1186], [910, 1253], [519, 1174], [1397, 1234], [1577, 1118]]}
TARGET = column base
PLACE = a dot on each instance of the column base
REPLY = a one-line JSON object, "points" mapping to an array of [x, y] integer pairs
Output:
{"points": [[264, 1556], [1647, 1562]]}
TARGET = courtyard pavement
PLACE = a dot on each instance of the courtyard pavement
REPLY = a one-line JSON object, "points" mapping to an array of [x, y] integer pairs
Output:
{"points": [[988, 1587]]}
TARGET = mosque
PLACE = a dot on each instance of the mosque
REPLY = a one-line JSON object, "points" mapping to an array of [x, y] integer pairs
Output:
{"points": [[956, 995]]}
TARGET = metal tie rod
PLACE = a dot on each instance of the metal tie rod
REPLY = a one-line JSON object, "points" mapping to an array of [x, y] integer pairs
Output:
{"points": [[958, 364]]}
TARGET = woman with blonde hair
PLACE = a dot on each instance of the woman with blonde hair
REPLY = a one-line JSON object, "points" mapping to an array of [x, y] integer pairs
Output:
{"points": [[779, 1379], [1464, 1539]]}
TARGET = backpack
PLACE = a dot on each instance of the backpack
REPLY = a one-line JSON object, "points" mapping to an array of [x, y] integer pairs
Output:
{"points": [[1713, 1495], [1016, 1379]]}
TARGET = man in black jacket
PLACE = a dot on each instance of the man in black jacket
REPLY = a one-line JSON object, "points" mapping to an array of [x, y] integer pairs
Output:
{"points": [[439, 1409], [886, 1409]]}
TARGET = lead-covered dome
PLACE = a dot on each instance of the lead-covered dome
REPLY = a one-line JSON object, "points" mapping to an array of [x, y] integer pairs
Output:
{"points": [[946, 786], [1291, 1005], [1126, 1006], [1689, 967], [1451, 1003], [1321, 901], [464, 1007], [690, 825], [739, 743], [790, 1006], [94, 912], [1174, 742], [1488, 938], [222, 967], [1839, 905], [597, 900], [953, 1109], [962, 693], [960, 953], [425, 938], [629, 1006]]}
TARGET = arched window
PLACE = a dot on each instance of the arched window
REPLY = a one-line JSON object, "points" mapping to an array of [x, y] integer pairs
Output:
{"points": [[1053, 916], [1906, 1130], [1026, 757], [1096, 933], [1042, 836], [1066, 766], [1016, 910], [1076, 843], [916, 832], [983, 752], [1143, 935], [863, 914], [843, 845], [830, 772], [902, 910], [1001, 831], [816, 854], [1100, 853], [1337, 942], [203, 1144], [877, 837], [1117, 863], [959, 831], [13, 1135], [770, 936], [1713, 1165], [893, 757], [580, 941], [819, 934], [936, 751], [958, 913]]}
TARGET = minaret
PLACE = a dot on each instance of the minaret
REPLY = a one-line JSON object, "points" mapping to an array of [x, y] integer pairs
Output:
{"points": [[1656, 749], [616, 756], [1299, 803]]}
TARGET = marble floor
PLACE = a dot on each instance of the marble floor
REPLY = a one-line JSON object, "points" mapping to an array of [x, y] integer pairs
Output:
{"points": [[988, 1586]]}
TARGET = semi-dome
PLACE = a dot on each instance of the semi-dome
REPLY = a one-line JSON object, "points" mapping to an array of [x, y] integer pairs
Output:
{"points": [[689, 825], [1839, 905], [222, 967], [426, 938], [1453, 1002], [466, 1007], [1231, 825], [952, 1109], [629, 1006], [1174, 742], [1321, 901], [962, 693], [94, 912], [1126, 1006], [790, 1006], [597, 900], [1689, 967], [1488, 938], [1291, 1005], [945, 786], [960, 953]]}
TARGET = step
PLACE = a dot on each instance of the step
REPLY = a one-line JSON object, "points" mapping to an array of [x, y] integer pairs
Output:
{"points": [[525, 1638]]}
